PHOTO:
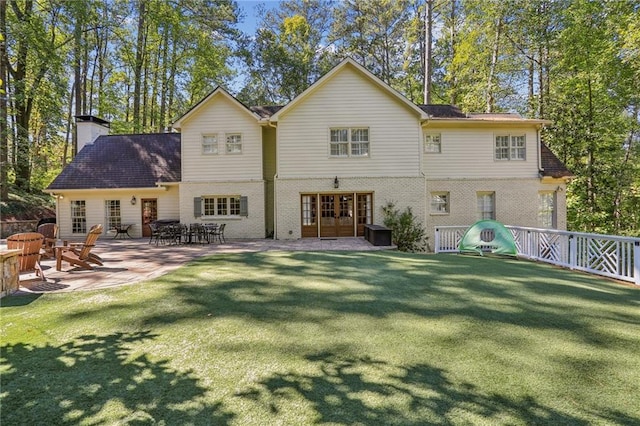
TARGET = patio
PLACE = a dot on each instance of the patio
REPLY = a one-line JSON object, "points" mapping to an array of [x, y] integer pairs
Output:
{"points": [[134, 260]]}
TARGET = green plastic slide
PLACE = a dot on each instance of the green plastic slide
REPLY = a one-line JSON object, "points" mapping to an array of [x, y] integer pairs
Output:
{"points": [[488, 233]]}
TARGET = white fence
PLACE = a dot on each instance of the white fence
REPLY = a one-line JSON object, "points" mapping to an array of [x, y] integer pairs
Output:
{"points": [[607, 255]]}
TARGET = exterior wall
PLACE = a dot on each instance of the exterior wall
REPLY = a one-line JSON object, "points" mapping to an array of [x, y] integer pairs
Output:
{"points": [[219, 116], [348, 100], [470, 153], [252, 226], [516, 201], [403, 191], [95, 208], [270, 170]]}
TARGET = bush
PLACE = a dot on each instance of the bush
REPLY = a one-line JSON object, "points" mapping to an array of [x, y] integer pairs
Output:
{"points": [[408, 233]]}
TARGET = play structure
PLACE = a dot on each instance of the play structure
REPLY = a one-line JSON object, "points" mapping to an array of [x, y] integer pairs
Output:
{"points": [[488, 235]]}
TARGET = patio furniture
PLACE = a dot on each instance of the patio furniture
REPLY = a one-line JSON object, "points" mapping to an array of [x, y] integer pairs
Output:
{"points": [[30, 243], [79, 254], [50, 233], [219, 233], [209, 230], [122, 229]]}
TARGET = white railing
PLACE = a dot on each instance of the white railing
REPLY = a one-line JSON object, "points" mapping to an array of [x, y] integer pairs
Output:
{"points": [[606, 255]]}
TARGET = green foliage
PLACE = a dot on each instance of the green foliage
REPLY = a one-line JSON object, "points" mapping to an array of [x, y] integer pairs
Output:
{"points": [[23, 205], [408, 233]]}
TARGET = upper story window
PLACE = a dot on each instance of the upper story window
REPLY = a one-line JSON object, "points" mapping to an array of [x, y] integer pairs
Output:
{"points": [[510, 147], [349, 142], [209, 144], [432, 143], [234, 143]]}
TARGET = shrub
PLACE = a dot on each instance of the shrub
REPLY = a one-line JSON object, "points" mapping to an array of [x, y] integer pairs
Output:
{"points": [[408, 233]]}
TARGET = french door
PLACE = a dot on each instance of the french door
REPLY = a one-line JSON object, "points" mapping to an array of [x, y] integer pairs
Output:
{"points": [[335, 215], [149, 211]]}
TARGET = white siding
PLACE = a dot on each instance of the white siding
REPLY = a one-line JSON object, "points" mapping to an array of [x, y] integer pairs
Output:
{"points": [[96, 213], [470, 153], [221, 116], [348, 100]]}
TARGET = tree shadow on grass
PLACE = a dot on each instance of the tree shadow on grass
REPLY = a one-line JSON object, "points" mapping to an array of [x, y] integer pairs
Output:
{"points": [[96, 380], [353, 390]]}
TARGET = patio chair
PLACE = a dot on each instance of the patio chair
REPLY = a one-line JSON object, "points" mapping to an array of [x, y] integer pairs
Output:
{"points": [[30, 243], [50, 233], [219, 233], [79, 254]]}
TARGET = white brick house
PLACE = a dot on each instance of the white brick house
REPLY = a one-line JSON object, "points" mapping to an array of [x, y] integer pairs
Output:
{"points": [[323, 165]]}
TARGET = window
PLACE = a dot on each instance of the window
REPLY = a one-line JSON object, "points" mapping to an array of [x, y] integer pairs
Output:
{"points": [[510, 147], [432, 143], [209, 144], [365, 207], [439, 202], [308, 210], [234, 143], [547, 209], [78, 217], [359, 142], [112, 214], [345, 142], [221, 206], [486, 205]]}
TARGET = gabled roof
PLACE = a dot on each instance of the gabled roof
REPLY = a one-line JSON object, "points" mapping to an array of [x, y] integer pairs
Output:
{"points": [[551, 165], [123, 161], [348, 62], [219, 91]]}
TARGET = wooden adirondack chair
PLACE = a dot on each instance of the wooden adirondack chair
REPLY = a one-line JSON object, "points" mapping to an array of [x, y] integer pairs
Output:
{"points": [[30, 243], [79, 254], [50, 232]]}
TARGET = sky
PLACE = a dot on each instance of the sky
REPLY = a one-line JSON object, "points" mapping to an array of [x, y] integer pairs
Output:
{"points": [[249, 9]]}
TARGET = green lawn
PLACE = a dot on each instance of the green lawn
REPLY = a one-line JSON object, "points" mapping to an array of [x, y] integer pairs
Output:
{"points": [[294, 338]]}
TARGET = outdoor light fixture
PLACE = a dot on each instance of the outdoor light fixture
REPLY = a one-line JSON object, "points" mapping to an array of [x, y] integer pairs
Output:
{"points": [[336, 183], [133, 200]]}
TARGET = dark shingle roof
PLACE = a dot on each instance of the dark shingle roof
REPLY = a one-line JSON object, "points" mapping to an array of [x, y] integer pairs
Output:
{"points": [[443, 111], [123, 161], [266, 111], [552, 166]]}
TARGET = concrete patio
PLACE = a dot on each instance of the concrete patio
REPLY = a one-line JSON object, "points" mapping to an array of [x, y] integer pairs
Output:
{"points": [[133, 260]]}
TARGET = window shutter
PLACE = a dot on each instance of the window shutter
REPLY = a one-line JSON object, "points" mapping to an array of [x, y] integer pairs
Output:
{"points": [[244, 206], [197, 206]]}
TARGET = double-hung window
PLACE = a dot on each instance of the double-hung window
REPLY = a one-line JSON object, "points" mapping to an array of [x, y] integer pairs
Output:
{"points": [[112, 213], [486, 205], [349, 142], [78, 217], [439, 202], [510, 147], [432, 143], [546, 209], [209, 144], [234, 143]]}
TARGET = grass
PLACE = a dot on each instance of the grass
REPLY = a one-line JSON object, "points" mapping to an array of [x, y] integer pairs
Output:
{"points": [[329, 338]]}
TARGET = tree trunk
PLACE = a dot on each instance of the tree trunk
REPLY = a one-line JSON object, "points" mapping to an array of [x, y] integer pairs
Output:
{"points": [[137, 69], [4, 128], [495, 50], [428, 50]]}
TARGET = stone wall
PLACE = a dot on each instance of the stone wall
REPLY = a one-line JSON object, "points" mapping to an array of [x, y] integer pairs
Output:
{"points": [[10, 267], [17, 226]]}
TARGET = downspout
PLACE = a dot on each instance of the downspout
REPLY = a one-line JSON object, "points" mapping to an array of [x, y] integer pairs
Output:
{"points": [[275, 186], [539, 151]]}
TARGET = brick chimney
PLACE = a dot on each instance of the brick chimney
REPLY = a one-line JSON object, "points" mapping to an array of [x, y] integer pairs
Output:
{"points": [[88, 128]]}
